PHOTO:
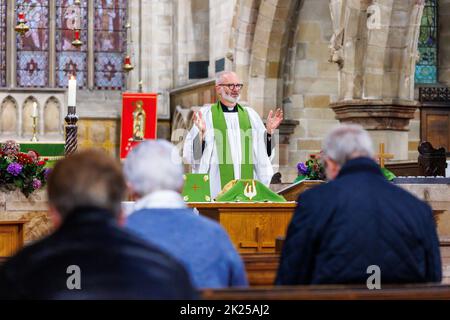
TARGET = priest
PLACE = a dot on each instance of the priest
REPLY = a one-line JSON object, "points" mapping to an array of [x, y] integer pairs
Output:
{"points": [[229, 141]]}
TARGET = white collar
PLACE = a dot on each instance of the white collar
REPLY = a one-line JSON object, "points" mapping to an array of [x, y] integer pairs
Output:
{"points": [[161, 199]]}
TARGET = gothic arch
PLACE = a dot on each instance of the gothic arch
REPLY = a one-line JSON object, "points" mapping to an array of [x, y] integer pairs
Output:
{"points": [[52, 116], [9, 115], [242, 34], [27, 112], [268, 28]]}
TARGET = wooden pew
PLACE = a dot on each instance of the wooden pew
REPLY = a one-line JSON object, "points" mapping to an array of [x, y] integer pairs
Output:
{"points": [[332, 292], [262, 268]]}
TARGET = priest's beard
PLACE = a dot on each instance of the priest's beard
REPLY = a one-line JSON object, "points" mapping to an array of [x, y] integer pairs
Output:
{"points": [[228, 97]]}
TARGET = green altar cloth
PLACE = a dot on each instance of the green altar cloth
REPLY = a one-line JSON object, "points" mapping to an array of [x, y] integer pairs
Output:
{"points": [[52, 151], [196, 187], [248, 190]]}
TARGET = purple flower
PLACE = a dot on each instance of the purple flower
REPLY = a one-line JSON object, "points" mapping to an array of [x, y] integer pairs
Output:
{"points": [[302, 168], [37, 184], [14, 168]]}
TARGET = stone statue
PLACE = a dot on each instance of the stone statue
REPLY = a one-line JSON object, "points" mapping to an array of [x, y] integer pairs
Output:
{"points": [[336, 48], [139, 118]]}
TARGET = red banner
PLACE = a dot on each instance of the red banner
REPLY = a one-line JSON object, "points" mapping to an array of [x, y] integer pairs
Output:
{"points": [[138, 120]]}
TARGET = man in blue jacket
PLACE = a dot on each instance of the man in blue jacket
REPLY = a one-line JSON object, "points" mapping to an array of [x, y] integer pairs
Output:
{"points": [[356, 221]]}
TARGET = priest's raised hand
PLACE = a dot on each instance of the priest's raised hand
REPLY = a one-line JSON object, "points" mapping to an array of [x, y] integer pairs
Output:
{"points": [[273, 120], [200, 123]]}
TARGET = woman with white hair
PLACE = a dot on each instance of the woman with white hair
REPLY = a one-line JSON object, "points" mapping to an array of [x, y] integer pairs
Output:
{"points": [[154, 173]]}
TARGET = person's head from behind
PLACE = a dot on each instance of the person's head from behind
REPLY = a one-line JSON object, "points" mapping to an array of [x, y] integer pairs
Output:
{"points": [[343, 143], [228, 87], [154, 165], [85, 179]]}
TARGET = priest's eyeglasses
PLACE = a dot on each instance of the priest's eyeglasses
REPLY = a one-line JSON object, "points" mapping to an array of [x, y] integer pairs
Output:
{"points": [[232, 86]]}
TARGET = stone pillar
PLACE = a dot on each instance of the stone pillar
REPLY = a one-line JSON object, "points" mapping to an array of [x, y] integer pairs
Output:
{"points": [[444, 41], [375, 47]]}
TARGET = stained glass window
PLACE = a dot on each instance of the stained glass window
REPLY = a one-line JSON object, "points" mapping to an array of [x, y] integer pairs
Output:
{"points": [[109, 43], [32, 48], [426, 67], [2, 43], [71, 60]]}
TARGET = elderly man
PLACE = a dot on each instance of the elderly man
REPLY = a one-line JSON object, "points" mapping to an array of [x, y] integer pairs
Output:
{"points": [[90, 256], [155, 176], [345, 230], [229, 141]]}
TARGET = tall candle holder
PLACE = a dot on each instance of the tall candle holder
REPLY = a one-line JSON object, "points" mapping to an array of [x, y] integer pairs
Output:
{"points": [[34, 138], [71, 131]]}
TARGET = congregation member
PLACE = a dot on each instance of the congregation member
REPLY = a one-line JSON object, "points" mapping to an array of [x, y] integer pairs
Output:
{"points": [[89, 255], [154, 173], [358, 222]]}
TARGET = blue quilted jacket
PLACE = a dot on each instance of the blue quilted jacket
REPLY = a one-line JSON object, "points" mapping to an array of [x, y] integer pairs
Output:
{"points": [[360, 219]]}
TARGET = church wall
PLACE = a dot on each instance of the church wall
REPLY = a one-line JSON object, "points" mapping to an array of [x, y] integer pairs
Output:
{"points": [[244, 29], [191, 26], [221, 17], [99, 133], [152, 46], [414, 136], [315, 85]]}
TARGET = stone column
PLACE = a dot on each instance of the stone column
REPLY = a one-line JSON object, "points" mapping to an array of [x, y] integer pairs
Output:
{"points": [[375, 47], [90, 54], [157, 56], [444, 42], [52, 44], [11, 19], [134, 34]]}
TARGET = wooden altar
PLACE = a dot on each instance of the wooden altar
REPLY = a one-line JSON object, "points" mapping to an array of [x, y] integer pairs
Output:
{"points": [[252, 227]]}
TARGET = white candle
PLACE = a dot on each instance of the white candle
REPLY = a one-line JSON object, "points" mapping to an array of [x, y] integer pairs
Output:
{"points": [[35, 110], [72, 94]]}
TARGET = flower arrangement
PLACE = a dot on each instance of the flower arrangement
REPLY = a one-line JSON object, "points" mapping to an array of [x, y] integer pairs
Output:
{"points": [[20, 170], [311, 169]]}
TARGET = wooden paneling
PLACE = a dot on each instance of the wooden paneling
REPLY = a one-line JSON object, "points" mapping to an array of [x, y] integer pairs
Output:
{"points": [[292, 192], [11, 237], [196, 94], [261, 268], [252, 227], [435, 126], [404, 168]]}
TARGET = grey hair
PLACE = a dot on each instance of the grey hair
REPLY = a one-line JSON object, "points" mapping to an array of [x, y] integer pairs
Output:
{"points": [[154, 165], [220, 75], [347, 141]]}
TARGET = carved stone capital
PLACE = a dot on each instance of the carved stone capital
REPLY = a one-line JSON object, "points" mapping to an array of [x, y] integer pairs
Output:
{"points": [[376, 114]]}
